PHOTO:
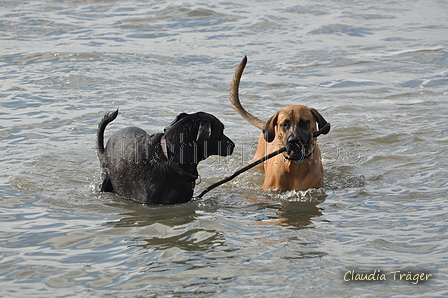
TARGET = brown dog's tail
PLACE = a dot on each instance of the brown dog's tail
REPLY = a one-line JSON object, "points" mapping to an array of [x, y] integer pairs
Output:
{"points": [[235, 99], [108, 118]]}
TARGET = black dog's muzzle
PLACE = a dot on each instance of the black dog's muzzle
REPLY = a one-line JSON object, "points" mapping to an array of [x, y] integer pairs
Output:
{"points": [[225, 146]]}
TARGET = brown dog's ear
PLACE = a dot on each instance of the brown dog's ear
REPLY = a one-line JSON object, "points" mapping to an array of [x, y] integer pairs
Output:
{"points": [[269, 128], [204, 132], [320, 120]]}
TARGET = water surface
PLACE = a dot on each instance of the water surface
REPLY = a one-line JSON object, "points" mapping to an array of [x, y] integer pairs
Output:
{"points": [[378, 72]]}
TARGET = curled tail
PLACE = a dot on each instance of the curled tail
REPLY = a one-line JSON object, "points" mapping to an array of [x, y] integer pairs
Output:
{"points": [[108, 118], [235, 99]]}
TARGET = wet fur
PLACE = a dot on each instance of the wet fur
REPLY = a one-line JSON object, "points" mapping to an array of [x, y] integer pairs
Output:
{"points": [[303, 170], [134, 166], [291, 127]]}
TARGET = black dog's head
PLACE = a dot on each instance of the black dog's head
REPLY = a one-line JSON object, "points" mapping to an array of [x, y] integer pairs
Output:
{"points": [[199, 134]]}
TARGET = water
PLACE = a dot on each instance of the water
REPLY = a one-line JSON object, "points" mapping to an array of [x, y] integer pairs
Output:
{"points": [[378, 71]]}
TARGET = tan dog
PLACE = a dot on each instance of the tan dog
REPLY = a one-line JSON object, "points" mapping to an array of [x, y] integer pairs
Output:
{"points": [[294, 127]]}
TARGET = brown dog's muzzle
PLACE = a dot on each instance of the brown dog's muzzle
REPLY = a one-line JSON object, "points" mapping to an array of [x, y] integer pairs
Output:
{"points": [[298, 146]]}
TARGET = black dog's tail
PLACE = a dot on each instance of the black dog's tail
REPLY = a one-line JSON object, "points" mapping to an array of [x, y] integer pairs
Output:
{"points": [[108, 118]]}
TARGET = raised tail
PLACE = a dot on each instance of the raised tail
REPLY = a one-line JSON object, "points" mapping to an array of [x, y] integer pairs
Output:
{"points": [[235, 99], [108, 118]]}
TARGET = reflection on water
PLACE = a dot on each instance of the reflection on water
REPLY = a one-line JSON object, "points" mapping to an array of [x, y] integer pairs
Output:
{"points": [[141, 215], [376, 71], [299, 215]]}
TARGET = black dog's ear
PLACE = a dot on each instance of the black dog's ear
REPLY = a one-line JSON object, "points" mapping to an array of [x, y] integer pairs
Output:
{"points": [[204, 132], [178, 117], [320, 120], [269, 128]]}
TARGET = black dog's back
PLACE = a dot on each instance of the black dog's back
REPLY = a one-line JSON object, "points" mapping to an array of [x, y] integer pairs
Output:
{"points": [[121, 157], [133, 166], [136, 168]]}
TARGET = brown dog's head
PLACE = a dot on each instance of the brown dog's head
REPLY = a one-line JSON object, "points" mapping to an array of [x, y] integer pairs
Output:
{"points": [[294, 127]]}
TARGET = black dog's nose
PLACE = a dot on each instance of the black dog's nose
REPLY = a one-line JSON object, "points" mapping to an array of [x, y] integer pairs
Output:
{"points": [[228, 145]]}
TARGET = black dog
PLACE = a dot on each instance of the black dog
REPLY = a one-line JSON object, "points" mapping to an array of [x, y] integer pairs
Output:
{"points": [[161, 168]]}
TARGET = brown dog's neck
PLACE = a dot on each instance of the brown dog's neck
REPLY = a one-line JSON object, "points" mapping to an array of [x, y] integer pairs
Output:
{"points": [[293, 175]]}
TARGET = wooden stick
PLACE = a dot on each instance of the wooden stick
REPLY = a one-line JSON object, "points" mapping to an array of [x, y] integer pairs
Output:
{"points": [[242, 170]]}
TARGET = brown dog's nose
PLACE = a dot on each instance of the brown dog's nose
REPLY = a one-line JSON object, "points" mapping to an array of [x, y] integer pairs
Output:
{"points": [[297, 146]]}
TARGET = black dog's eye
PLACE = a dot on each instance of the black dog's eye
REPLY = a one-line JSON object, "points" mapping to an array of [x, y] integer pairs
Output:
{"points": [[304, 123], [284, 125]]}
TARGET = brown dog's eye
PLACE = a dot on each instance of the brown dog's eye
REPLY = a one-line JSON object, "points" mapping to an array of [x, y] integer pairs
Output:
{"points": [[304, 123], [284, 125]]}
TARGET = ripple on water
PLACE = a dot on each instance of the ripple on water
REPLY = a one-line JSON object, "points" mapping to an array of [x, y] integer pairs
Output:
{"points": [[375, 70]]}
